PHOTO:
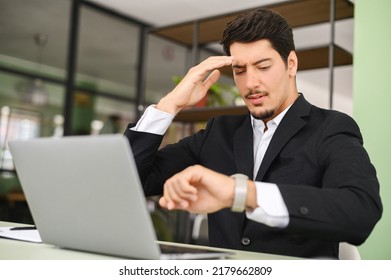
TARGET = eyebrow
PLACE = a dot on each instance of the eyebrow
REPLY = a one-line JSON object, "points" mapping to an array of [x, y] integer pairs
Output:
{"points": [[255, 63]]}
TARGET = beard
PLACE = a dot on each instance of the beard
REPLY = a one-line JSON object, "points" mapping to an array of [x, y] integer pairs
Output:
{"points": [[263, 115]]}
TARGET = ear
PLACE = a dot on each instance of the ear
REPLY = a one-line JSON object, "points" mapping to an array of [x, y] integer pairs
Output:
{"points": [[292, 63]]}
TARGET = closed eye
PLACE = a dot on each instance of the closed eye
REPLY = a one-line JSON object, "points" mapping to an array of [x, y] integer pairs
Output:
{"points": [[238, 69], [264, 68], [239, 72]]}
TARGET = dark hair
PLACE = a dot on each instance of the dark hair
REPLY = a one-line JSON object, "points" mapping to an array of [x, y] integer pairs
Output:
{"points": [[260, 24]]}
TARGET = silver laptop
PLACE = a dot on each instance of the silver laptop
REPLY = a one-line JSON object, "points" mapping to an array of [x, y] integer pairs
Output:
{"points": [[84, 193]]}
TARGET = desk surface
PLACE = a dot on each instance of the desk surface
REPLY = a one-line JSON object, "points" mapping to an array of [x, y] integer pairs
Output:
{"points": [[21, 250]]}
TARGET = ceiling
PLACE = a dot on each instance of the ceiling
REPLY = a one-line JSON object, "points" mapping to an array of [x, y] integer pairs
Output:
{"points": [[105, 38], [184, 12], [162, 13]]}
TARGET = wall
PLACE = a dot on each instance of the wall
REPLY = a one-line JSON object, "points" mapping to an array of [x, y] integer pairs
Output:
{"points": [[314, 84], [372, 102]]}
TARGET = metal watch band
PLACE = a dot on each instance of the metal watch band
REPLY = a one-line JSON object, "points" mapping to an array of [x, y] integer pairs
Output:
{"points": [[240, 195]]}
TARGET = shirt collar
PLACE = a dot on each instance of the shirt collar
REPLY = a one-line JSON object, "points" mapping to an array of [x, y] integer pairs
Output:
{"points": [[276, 121]]}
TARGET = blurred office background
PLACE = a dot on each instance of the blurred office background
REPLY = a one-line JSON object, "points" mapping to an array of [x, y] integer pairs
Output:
{"points": [[73, 67]]}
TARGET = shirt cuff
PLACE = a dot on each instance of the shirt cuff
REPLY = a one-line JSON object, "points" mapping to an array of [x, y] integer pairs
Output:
{"points": [[154, 121], [272, 210]]}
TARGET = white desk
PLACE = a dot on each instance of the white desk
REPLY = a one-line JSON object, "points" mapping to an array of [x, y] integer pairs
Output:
{"points": [[21, 250]]}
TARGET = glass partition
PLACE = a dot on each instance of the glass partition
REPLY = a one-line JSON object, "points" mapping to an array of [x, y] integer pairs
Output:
{"points": [[165, 61], [34, 36], [107, 53], [111, 116], [28, 108]]}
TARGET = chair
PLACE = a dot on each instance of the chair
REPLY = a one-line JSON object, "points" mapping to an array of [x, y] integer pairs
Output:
{"points": [[348, 252], [200, 229]]}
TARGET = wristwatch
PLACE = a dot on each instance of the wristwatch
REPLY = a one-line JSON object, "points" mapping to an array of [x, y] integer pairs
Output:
{"points": [[240, 195]]}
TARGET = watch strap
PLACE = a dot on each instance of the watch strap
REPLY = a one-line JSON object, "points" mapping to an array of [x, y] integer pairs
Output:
{"points": [[240, 194]]}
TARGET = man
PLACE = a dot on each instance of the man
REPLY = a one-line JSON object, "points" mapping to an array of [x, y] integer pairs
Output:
{"points": [[310, 182]]}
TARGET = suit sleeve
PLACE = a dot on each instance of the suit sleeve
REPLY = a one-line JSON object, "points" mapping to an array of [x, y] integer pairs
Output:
{"points": [[347, 205], [156, 165]]}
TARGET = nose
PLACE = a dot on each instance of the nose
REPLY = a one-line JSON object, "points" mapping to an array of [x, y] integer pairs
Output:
{"points": [[252, 80]]}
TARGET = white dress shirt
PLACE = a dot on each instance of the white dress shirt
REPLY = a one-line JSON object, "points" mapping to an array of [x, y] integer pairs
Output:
{"points": [[272, 210]]}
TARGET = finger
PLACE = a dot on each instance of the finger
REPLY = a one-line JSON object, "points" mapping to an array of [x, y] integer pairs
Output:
{"points": [[179, 186], [163, 202], [166, 204], [212, 78], [177, 194], [210, 64], [170, 196], [216, 62], [170, 205]]}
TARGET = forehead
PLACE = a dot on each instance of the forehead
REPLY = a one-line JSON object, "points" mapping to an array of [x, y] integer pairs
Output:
{"points": [[258, 50]]}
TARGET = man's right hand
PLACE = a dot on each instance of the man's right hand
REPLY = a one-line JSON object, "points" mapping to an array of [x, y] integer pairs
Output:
{"points": [[194, 86]]}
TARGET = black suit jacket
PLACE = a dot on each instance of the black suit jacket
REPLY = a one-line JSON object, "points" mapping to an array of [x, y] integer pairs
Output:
{"points": [[317, 160]]}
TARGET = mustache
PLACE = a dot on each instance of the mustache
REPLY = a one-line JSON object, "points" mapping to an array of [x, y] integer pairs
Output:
{"points": [[251, 92]]}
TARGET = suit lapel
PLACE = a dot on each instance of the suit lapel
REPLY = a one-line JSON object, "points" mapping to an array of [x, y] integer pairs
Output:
{"points": [[243, 148], [244, 157], [292, 122]]}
